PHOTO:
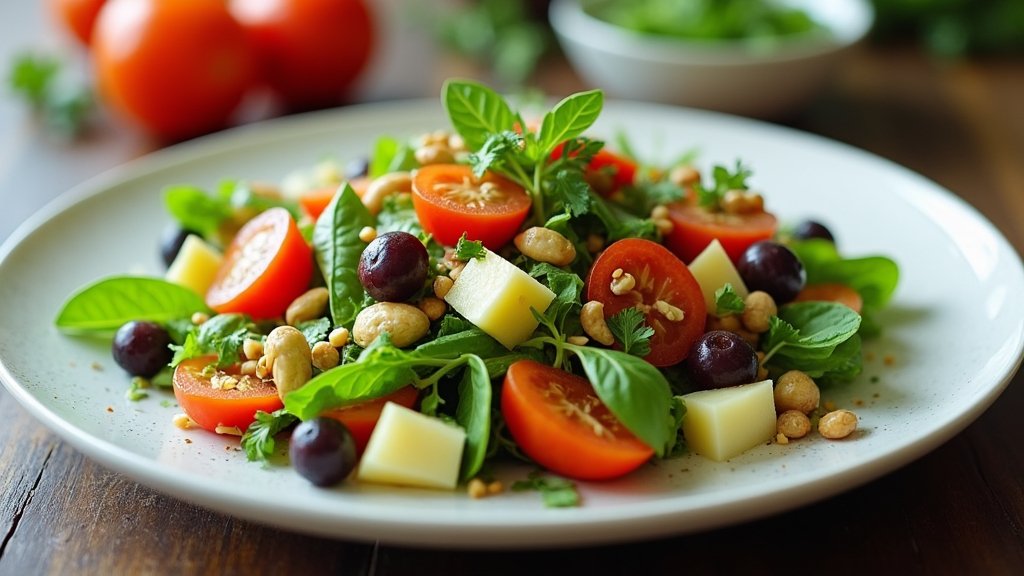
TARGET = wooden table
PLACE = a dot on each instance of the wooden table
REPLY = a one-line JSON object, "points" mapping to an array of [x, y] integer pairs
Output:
{"points": [[958, 510]]}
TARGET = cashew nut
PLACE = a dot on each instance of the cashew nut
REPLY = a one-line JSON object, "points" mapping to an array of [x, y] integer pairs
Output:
{"points": [[384, 186], [546, 245], [309, 306], [592, 320], [434, 154], [288, 357], [403, 322]]}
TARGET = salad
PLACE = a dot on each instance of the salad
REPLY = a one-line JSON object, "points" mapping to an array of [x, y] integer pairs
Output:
{"points": [[512, 288]]}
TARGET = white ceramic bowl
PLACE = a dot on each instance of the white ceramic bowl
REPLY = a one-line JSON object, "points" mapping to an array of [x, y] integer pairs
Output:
{"points": [[728, 76]]}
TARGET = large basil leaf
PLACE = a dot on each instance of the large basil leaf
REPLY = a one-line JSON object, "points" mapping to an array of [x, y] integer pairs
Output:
{"points": [[476, 112], [338, 248], [569, 119], [102, 307], [474, 414]]}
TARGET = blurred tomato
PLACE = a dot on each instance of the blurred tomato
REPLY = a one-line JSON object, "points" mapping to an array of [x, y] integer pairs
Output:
{"points": [[179, 68], [310, 51], [77, 16]]}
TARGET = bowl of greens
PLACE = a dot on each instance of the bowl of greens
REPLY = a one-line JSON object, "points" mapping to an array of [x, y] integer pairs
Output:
{"points": [[761, 58]]}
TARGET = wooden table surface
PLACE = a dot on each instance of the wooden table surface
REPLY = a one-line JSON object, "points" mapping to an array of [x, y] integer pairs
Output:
{"points": [[958, 510]]}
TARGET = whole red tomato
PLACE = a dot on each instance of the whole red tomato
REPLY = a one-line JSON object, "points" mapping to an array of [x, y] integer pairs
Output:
{"points": [[310, 51], [178, 68], [77, 16]]}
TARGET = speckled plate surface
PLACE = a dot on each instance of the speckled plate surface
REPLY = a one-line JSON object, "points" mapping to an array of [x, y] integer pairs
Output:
{"points": [[954, 337]]}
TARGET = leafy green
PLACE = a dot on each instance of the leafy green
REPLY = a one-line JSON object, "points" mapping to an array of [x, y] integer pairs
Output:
{"points": [[724, 180], [137, 389], [727, 301], [338, 248], [223, 335], [819, 338], [467, 250], [477, 112], [473, 413], [569, 119], [204, 213], [42, 81], [390, 155], [556, 492], [315, 330], [102, 307], [571, 192], [630, 330], [492, 155], [258, 439]]}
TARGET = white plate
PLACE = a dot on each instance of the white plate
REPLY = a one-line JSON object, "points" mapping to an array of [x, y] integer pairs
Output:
{"points": [[953, 332]]}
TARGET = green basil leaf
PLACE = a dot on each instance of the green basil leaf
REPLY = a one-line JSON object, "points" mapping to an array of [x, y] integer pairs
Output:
{"points": [[474, 415], [338, 248], [569, 119], [821, 324], [102, 307], [476, 112], [470, 341], [634, 391], [873, 277], [196, 210], [842, 363]]}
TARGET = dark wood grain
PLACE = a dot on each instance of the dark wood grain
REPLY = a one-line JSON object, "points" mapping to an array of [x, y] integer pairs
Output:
{"points": [[958, 510]]}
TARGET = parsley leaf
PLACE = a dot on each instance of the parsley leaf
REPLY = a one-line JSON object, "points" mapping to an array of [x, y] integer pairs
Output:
{"points": [[572, 191], [258, 440], [556, 492], [62, 104], [315, 330], [629, 329], [467, 250], [724, 180], [727, 301], [222, 335], [492, 154]]}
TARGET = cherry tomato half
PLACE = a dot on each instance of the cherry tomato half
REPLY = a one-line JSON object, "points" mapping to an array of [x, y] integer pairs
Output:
{"points": [[449, 201], [362, 418], [310, 51], [694, 227], [211, 407], [266, 267], [178, 69], [557, 420], [665, 291], [77, 16]]}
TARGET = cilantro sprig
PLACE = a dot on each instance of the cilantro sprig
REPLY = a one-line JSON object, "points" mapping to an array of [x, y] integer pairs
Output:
{"points": [[723, 181], [630, 330]]}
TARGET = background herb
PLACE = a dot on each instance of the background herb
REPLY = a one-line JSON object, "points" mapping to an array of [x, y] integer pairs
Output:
{"points": [[556, 492], [727, 301], [43, 82], [258, 439]]}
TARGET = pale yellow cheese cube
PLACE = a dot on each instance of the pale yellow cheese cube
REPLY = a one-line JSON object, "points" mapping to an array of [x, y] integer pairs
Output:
{"points": [[496, 296], [713, 269], [195, 266], [722, 423], [412, 449]]}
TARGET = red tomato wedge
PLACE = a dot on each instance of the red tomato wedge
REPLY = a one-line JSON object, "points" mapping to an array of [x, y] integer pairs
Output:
{"points": [[607, 171], [315, 201], [267, 265], [449, 201], [211, 407], [831, 292], [362, 418], [557, 420], [694, 227], [665, 291]]}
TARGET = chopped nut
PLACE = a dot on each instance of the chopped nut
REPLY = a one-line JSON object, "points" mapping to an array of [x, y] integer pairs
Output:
{"points": [[367, 234], [262, 370], [435, 153], [434, 308], [684, 176], [545, 245], [578, 340], [622, 284], [338, 337], [796, 391], [758, 308], [670, 312], [477, 488], [229, 430], [248, 367], [659, 211], [183, 422], [222, 381], [837, 424], [252, 349], [312, 304], [664, 225], [793, 424], [442, 284], [595, 243], [593, 322], [324, 356], [455, 272], [495, 487], [199, 318], [781, 438]]}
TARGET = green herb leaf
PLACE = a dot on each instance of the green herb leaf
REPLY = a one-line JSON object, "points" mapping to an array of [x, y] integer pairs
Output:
{"points": [[338, 248], [137, 390], [634, 391], [223, 335], [568, 119], [196, 210], [390, 155], [102, 307], [727, 301], [818, 338], [630, 329], [473, 413], [41, 81], [724, 180], [258, 439], [572, 191], [315, 330], [476, 112], [494, 151], [556, 492], [467, 250]]}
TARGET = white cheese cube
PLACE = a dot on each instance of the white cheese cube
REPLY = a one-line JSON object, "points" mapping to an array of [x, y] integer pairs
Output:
{"points": [[496, 296], [713, 269], [722, 423], [412, 449], [195, 266]]}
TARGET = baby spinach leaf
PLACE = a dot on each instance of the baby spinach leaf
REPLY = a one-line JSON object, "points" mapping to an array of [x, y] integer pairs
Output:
{"points": [[338, 248], [635, 392], [873, 277], [470, 341], [103, 306], [476, 112], [474, 414], [568, 119]]}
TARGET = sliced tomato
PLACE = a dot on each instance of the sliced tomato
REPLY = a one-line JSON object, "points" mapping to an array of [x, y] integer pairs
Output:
{"points": [[607, 172], [449, 201], [557, 420], [267, 265], [694, 227], [831, 292], [315, 201], [211, 407], [362, 418], [664, 288]]}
